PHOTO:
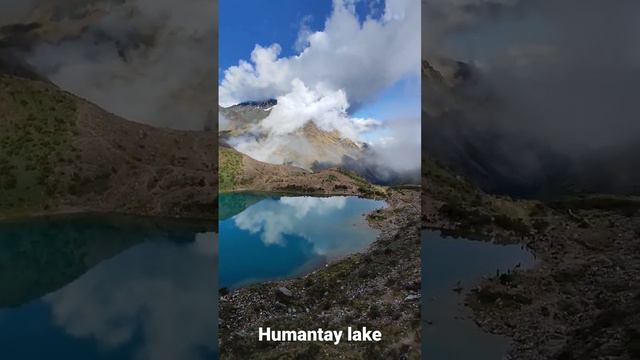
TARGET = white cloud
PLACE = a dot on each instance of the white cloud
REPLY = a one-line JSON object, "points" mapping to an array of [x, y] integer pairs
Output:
{"points": [[399, 149], [146, 60], [325, 107], [303, 34], [358, 58], [223, 122]]}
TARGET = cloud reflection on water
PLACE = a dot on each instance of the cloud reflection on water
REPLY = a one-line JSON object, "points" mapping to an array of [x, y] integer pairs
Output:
{"points": [[159, 296], [332, 227]]}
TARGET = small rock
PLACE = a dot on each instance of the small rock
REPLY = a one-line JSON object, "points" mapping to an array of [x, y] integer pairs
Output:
{"points": [[412, 297], [285, 292]]}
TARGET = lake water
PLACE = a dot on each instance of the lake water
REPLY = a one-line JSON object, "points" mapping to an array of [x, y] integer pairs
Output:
{"points": [[265, 237], [107, 287], [448, 331]]}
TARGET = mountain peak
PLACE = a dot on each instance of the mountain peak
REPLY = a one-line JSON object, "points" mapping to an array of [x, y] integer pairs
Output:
{"points": [[264, 104]]}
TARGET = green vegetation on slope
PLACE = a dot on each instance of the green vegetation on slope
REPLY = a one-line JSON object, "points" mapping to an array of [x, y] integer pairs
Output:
{"points": [[239, 172], [463, 203], [446, 186], [36, 128], [61, 153], [364, 187], [624, 205], [230, 168]]}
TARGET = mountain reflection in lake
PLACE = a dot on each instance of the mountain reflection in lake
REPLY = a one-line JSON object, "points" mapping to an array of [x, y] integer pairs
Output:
{"points": [[265, 237], [448, 330], [107, 288]]}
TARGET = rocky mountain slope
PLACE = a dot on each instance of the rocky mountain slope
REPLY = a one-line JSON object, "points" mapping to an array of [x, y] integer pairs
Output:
{"points": [[60, 153], [242, 117], [306, 147]]}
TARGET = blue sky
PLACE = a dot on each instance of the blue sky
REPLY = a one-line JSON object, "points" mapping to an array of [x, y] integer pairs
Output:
{"points": [[244, 24], [399, 100]]}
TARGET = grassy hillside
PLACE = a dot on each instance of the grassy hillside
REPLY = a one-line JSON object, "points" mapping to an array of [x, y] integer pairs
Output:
{"points": [[230, 169], [239, 172], [36, 129], [452, 201], [61, 153]]}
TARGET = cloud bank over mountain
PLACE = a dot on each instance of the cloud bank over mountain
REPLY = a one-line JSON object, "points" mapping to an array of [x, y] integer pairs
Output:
{"points": [[558, 67], [150, 61], [559, 76], [337, 70]]}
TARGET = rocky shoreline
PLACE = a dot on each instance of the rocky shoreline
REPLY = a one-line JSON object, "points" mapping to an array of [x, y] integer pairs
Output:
{"points": [[379, 289], [581, 300]]}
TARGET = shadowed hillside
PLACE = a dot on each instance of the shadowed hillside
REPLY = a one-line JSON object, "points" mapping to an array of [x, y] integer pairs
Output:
{"points": [[60, 153], [460, 129], [581, 299]]}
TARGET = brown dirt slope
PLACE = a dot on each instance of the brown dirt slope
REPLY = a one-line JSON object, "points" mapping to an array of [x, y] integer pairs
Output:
{"points": [[239, 172]]}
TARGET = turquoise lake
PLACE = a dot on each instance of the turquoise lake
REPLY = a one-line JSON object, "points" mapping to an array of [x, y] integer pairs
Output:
{"points": [[448, 330], [265, 237], [114, 287], [108, 287]]}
